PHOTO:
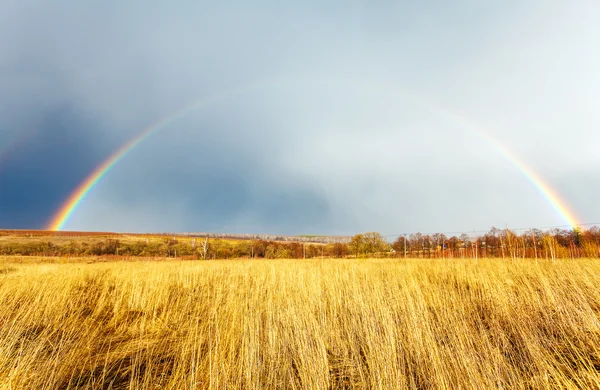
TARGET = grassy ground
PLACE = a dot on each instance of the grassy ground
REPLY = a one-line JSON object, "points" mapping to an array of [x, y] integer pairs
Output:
{"points": [[380, 324], [59, 238]]}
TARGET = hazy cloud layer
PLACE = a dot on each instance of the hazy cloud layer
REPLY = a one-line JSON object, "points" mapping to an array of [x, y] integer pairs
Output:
{"points": [[327, 120]]}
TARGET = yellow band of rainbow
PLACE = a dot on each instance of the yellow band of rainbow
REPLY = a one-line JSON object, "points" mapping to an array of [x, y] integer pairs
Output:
{"points": [[67, 209]]}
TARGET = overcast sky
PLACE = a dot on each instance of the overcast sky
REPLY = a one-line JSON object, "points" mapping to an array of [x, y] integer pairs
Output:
{"points": [[328, 119]]}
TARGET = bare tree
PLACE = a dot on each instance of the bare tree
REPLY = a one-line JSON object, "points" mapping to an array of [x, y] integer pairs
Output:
{"points": [[204, 248]]}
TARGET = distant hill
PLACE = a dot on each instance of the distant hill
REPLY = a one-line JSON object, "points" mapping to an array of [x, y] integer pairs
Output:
{"points": [[321, 239], [266, 237]]}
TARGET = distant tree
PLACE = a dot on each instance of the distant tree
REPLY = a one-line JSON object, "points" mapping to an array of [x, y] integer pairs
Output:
{"points": [[282, 252], [221, 249], [204, 249], [492, 241], [452, 245], [576, 235], [400, 245], [313, 250], [270, 251], [550, 246], [296, 250], [427, 244], [438, 240], [368, 244], [533, 239], [591, 242], [243, 248], [465, 244], [416, 243], [171, 243], [375, 243], [357, 244], [338, 250]]}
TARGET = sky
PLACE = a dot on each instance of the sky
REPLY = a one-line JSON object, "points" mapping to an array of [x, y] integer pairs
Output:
{"points": [[325, 118]]}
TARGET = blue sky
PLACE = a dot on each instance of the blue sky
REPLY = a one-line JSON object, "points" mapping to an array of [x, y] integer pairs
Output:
{"points": [[332, 137]]}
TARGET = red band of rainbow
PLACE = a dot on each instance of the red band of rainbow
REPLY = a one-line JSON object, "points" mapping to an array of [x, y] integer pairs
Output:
{"points": [[67, 209]]}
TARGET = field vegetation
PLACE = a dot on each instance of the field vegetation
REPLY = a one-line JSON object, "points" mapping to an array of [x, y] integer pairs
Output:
{"points": [[305, 324]]}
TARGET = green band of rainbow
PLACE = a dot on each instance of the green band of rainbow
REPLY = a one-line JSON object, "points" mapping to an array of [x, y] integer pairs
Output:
{"points": [[551, 196], [67, 209], [560, 205]]}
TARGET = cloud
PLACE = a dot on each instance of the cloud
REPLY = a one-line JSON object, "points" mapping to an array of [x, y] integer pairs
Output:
{"points": [[42, 163], [336, 139]]}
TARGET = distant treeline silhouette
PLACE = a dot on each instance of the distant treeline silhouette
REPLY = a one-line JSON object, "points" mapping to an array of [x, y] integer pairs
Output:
{"points": [[266, 237], [499, 243]]}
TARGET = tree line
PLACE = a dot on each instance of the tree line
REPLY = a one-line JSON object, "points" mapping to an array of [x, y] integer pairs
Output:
{"points": [[499, 243], [504, 243], [194, 248]]}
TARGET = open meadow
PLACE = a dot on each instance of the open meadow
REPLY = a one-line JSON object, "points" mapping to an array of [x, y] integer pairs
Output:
{"points": [[301, 324]]}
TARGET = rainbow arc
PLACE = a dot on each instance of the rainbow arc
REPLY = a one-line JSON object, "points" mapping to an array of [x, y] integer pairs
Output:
{"points": [[61, 217]]}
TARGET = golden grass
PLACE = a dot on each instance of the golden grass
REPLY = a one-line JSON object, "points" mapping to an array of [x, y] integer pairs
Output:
{"points": [[14, 260], [377, 324], [87, 238]]}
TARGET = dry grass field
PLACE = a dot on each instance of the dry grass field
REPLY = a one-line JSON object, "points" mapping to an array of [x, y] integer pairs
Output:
{"points": [[333, 324]]}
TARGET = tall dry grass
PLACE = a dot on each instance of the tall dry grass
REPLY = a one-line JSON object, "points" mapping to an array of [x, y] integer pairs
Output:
{"points": [[380, 324]]}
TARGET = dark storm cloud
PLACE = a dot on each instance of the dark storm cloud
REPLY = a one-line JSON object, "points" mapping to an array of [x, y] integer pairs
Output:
{"points": [[38, 175], [303, 156], [217, 172]]}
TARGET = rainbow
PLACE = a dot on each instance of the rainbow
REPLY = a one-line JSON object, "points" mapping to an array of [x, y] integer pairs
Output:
{"points": [[560, 205], [67, 209]]}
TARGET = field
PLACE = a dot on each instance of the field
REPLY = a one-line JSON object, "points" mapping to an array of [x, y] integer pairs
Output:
{"points": [[302, 324]]}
